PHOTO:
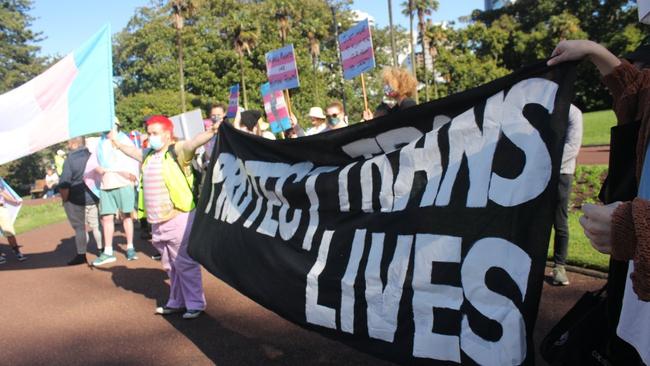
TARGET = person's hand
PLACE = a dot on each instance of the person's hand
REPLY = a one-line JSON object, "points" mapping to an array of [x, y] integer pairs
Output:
{"points": [[597, 224], [100, 170], [367, 115], [293, 119], [573, 50]]}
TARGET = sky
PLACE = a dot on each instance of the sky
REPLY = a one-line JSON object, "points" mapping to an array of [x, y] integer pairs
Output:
{"points": [[66, 24]]}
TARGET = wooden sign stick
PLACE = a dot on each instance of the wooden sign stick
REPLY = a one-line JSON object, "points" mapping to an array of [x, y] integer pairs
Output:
{"points": [[365, 95], [288, 102]]}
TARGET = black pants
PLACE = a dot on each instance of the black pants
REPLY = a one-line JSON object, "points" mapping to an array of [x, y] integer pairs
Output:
{"points": [[561, 224]]}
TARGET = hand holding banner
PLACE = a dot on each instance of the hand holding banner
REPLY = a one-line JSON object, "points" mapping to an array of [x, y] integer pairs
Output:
{"points": [[420, 238], [281, 69], [276, 109]]}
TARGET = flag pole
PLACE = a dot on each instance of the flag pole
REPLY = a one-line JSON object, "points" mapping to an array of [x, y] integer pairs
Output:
{"points": [[365, 94], [288, 102]]}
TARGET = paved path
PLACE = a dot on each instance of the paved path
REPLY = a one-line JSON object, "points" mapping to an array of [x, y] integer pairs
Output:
{"points": [[59, 315], [593, 155]]}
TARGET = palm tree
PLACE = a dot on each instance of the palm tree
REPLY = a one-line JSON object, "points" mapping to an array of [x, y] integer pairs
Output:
{"points": [[422, 8], [437, 36], [408, 11], [314, 47], [182, 9], [244, 40], [282, 15], [392, 32]]}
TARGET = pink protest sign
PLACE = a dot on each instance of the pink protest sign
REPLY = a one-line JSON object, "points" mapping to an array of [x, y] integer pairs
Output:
{"points": [[275, 108], [281, 69], [233, 101], [357, 53]]}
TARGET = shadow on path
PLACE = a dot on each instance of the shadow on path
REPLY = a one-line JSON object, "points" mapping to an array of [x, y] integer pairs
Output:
{"points": [[219, 344], [59, 257]]}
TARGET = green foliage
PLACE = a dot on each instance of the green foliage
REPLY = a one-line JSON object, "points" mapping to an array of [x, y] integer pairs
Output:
{"points": [[534, 27], [596, 127], [586, 185], [18, 64], [18, 61], [34, 217], [132, 109]]}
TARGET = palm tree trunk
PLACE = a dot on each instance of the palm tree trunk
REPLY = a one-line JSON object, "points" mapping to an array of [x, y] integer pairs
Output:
{"points": [[179, 41], [413, 65], [424, 55], [243, 79], [392, 32]]}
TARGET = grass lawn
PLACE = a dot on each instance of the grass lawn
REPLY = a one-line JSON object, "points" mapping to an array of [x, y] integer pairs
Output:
{"points": [[581, 254], [596, 127], [32, 217]]}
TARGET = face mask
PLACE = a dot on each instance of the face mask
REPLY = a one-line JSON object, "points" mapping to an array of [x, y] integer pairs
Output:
{"points": [[389, 92], [156, 142], [390, 102], [216, 119], [333, 119]]}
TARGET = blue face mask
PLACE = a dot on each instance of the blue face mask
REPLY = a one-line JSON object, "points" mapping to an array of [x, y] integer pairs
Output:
{"points": [[156, 143]]}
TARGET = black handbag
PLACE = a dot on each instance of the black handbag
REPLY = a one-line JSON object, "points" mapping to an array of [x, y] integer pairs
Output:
{"points": [[579, 338]]}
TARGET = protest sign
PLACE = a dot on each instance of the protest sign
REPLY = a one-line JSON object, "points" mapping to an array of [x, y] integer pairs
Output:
{"points": [[187, 125], [233, 101], [644, 11], [357, 53], [420, 237], [281, 69], [276, 109]]}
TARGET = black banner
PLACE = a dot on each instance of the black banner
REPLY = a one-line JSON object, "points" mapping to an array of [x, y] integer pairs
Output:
{"points": [[419, 237]]}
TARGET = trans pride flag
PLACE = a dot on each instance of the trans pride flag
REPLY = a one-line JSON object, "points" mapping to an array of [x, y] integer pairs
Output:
{"points": [[357, 52], [72, 98]]}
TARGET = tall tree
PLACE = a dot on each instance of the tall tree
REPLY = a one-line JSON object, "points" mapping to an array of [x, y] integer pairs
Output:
{"points": [[408, 10], [18, 50], [19, 62], [243, 40], [182, 9], [392, 33], [422, 8]]}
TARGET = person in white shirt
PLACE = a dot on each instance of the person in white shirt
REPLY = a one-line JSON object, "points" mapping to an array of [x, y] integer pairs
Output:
{"points": [[51, 182], [318, 121], [572, 144]]}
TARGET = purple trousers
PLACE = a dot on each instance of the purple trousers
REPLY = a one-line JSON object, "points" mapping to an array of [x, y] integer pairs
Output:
{"points": [[171, 239]]}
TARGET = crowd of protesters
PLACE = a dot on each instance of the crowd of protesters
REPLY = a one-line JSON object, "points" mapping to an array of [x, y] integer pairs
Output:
{"points": [[152, 180]]}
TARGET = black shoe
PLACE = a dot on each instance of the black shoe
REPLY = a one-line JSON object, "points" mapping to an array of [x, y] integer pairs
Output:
{"points": [[78, 259], [156, 257]]}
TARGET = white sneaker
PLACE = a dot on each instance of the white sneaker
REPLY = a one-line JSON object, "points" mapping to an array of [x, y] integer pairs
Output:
{"points": [[192, 314]]}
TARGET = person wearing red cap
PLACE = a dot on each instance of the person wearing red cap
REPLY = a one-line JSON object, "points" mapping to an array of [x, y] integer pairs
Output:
{"points": [[167, 201]]}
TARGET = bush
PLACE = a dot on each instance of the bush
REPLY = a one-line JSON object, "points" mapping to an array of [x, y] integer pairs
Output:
{"points": [[586, 185]]}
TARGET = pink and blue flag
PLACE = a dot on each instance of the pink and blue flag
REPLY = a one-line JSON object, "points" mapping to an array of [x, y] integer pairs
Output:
{"points": [[275, 108], [281, 68], [357, 53], [72, 98], [233, 101]]}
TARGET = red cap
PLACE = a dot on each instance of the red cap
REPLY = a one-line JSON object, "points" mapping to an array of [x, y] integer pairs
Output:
{"points": [[165, 122]]}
